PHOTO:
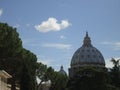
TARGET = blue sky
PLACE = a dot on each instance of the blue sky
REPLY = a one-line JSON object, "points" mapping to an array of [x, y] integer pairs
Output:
{"points": [[54, 29]]}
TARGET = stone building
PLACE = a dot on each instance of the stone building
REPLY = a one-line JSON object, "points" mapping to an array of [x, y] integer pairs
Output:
{"points": [[45, 85], [3, 80], [86, 56]]}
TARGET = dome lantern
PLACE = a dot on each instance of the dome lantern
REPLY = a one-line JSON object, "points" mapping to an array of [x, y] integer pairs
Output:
{"points": [[87, 41]]}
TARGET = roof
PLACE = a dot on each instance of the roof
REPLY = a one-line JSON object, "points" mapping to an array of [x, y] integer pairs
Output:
{"points": [[87, 55]]}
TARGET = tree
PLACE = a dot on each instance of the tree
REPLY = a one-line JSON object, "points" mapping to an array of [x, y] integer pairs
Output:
{"points": [[59, 81], [13, 56], [50, 74], [115, 73], [30, 61], [25, 80], [89, 79], [115, 63], [40, 72], [10, 51], [10, 43]]}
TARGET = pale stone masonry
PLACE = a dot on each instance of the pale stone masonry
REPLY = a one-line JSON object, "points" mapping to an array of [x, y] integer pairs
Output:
{"points": [[3, 80]]}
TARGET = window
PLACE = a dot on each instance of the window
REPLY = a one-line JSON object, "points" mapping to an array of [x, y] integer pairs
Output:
{"points": [[82, 56], [94, 56], [88, 56]]}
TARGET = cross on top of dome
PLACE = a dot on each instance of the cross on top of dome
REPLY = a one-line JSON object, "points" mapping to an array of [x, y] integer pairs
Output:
{"points": [[87, 41]]}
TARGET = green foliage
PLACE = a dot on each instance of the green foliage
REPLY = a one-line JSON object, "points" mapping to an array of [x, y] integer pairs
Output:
{"points": [[115, 73], [13, 56], [111, 87], [50, 74], [25, 80], [30, 61], [10, 43], [59, 81], [88, 79], [40, 72], [10, 51]]}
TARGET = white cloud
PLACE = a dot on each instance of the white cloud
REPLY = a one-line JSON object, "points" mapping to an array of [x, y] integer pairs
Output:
{"points": [[57, 45], [1, 12], [27, 41], [52, 25], [45, 60], [28, 25], [115, 45], [109, 64], [16, 26], [62, 37]]}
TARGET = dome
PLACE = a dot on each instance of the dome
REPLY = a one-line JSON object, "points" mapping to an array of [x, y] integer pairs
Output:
{"points": [[87, 55], [62, 71]]}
